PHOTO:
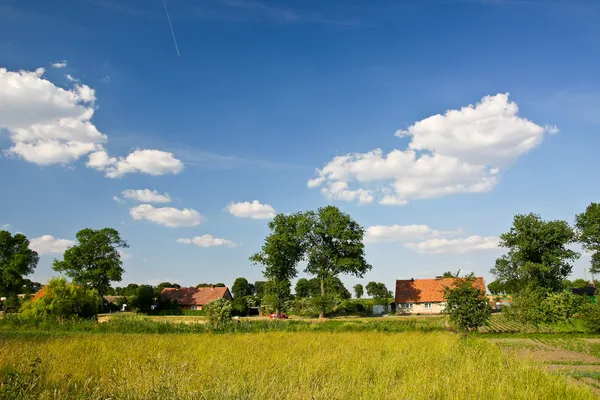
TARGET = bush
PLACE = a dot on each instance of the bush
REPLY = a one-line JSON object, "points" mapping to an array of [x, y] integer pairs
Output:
{"points": [[466, 304], [239, 306], [61, 299], [590, 314], [218, 312]]}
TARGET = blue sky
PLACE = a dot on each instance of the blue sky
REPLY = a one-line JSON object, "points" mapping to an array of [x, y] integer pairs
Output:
{"points": [[262, 99]]}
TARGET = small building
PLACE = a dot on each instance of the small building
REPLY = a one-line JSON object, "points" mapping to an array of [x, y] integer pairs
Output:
{"points": [[195, 298], [425, 296]]}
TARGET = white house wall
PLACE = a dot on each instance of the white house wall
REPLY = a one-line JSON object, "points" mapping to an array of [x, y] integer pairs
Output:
{"points": [[419, 308]]}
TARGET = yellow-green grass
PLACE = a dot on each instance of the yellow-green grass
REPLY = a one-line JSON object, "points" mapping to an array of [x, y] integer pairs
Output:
{"points": [[277, 365]]}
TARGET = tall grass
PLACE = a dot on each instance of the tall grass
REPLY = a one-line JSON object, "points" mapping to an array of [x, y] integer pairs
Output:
{"points": [[143, 325], [272, 365]]}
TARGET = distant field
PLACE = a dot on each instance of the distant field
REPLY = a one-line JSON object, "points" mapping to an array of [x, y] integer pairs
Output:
{"points": [[274, 365]]}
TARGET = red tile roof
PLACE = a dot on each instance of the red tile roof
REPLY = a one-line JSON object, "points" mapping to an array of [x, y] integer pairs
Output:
{"points": [[426, 290], [40, 294], [195, 296]]}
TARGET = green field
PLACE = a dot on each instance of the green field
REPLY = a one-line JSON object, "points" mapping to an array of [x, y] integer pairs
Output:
{"points": [[271, 365]]}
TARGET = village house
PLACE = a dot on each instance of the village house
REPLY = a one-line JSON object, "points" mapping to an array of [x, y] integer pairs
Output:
{"points": [[195, 298], [425, 296]]}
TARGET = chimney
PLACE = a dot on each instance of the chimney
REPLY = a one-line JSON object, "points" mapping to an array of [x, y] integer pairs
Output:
{"points": [[212, 286], [412, 279]]}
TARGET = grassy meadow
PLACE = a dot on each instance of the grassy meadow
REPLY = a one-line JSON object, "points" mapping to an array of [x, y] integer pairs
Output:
{"points": [[274, 365]]}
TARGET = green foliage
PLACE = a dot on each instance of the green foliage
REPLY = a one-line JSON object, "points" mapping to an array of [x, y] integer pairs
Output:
{"points": [[359, 291], [277, 295], [144, 298], [447, 274], [466, 305], [588, 229], [303, 288], [158, 290], [590, 314], [334, 246], [496, 287], [95, 261], [576, 284], [561, 307], [535, 307], [282, 251], [239, 306], [16, 261], [259, 289], [63, 300], [379, 292], [218, 312], [538, 255], [241, 288]]}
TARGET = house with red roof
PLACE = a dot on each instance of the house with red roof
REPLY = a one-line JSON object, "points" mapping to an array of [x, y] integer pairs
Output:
{"points": [[195, 298], [425, 296]]}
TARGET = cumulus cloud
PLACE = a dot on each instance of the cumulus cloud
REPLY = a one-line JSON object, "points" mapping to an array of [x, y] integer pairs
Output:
{"points": [[152, 162], [119, 200], [254, 210], [146, 196], [47, 244], [461, 151], [461, 245], [60, 64], [166, 216], [48, 124], [424, 239], [207, 241]]}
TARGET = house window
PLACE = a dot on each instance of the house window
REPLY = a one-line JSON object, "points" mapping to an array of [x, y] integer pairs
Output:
{"points": [[408, 305], [428, 305], [194, 308]]}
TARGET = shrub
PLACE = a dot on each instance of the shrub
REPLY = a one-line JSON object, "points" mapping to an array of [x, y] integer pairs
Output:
{"points": [[63, 300], [590, 314], [466, 304], [218, 312], [239, 306]]}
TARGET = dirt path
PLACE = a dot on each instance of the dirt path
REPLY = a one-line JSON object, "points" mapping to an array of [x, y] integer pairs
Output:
{"points": [[542, 352]]}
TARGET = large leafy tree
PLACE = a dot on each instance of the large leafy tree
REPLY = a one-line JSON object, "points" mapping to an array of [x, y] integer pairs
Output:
{"points": [[379, 292], [538, 255], [241, 288], [282, 251], [259, 289], [588, 230], [334, 246], [16, 261], [302, 288], [466, 304], [95, 261]]}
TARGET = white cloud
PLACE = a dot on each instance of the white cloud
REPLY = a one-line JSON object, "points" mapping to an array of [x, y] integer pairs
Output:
{"points": [[254, 210], [152, 162], [461, 245], [424, 239], [207, 241], [462, 151], [397, 233], [48, 244], [146, 196], [166, 216], [60, 64], [49, 125], [4, 227], [119, 200]]}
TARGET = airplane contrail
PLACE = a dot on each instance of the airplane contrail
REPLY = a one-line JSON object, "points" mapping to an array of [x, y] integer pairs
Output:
{"points": [[171, 26]]}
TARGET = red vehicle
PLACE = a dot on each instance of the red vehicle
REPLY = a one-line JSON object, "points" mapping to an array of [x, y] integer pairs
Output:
{"points": [[281, 316]]}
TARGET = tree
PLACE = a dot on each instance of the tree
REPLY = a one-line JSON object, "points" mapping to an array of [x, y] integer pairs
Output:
{"points": [[358, 291], [241, 288], [588, 230], [144, 298], [302, 288], [447, 274], [259, 289], [218, 312], [62, 299], [164, 285], [378, 292], [466, 305], [496, 288], [334, 288], [220, 284], [334, 246], [239, 306], [95, 261], [538, 255], [16, 261], [282, 251]]}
